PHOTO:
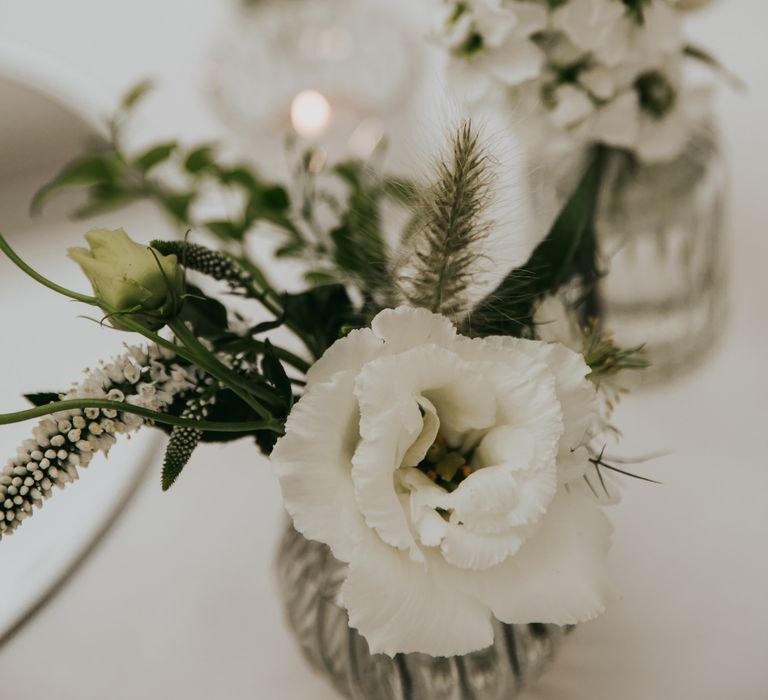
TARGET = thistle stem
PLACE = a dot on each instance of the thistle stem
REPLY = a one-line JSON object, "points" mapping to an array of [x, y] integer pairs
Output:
{"points": [[70, 404]]}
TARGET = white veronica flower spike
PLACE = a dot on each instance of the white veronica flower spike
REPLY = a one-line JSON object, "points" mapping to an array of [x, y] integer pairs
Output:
{"points": [[438, 467]]}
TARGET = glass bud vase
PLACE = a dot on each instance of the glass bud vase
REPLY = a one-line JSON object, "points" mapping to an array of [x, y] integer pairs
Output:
{"points": [[314, 71], [661, 231], [310, 578]]}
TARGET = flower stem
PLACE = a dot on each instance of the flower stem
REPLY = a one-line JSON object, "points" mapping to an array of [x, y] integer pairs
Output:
{"points": [[191, 348], [11, 254], [70, 404], [205, 359]]}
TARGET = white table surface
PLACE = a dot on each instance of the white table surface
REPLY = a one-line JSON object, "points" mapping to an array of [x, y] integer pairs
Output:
{"points": [[179, 601]]}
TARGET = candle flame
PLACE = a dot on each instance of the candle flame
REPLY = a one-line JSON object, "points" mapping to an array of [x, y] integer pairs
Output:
{"points": [[310, 113]]}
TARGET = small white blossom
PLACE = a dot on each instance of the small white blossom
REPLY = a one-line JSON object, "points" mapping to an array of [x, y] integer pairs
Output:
{"points": [[491, 44], [67, 441]]}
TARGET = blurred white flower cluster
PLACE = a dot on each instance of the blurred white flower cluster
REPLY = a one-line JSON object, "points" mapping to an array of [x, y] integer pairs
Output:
{"points": [[593, 71]]}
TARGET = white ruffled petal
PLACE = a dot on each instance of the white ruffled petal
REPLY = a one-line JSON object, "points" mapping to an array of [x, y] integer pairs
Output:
{"points": [[430, 427], [406, 327], [531, 18], [494, 22], [663, 139], [515, 62], [495, 499], [386, 436], [389, 392], [661, 32], [401, 606], [463, 548], [559, 575], [592, 25], [467, 78], [348, 353], [617, 123], [573, 464], [572, 107], [577, 395], [509, 445], [525, 388], [313, 462]]}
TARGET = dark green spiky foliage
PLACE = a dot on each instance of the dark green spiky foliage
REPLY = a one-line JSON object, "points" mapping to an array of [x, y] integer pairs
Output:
{"points": [[445, 249], [605, 358], [568, 253]]}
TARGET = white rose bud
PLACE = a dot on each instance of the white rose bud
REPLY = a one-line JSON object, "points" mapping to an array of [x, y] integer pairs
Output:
{"points": [[131, 279]]}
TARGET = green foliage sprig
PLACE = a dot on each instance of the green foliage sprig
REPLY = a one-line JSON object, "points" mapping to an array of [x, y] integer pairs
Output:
{"points": [[247, 383], [352, 250]]}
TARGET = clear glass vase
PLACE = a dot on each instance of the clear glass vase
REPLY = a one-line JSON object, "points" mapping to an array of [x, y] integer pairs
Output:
{"points": [[661, 233], [310, 578], [314, 71]]}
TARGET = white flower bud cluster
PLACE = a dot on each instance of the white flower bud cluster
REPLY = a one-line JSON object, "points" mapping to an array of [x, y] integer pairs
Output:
{"points": [[66, 441]]}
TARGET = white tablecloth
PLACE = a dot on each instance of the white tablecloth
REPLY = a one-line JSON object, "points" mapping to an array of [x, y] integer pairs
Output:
{"points": [[179, 601]]}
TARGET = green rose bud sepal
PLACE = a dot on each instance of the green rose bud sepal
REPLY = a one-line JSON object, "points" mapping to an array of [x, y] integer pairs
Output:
{"points": [[131, 279]]}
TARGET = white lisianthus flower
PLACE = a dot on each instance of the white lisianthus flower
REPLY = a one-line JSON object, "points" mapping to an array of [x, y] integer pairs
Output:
{"points": [[443, 470], [613, 33], [491, 44]]}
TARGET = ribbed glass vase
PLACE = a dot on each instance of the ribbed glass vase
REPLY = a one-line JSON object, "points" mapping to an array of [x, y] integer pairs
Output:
{"points": [[661, 237], [310, 578], [661, 229]]}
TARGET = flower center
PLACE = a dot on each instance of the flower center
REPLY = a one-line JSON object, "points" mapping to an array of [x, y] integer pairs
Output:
{"points": [[636, 9], [444, 465], [473, 44], [657, 94]]}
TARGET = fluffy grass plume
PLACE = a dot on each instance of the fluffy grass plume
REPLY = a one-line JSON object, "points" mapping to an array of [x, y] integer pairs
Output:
{"points": [[444, 250]]}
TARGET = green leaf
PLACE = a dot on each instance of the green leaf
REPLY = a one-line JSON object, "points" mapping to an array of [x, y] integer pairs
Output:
{"points": [[42, 398], [239, 175], [318, 278], [360, 249], [275, 198], [567, 252], [275, 374], [293, 249], [96, 168], [700, 54], [199, 159], [105, 198], [266, 326], [207, 316], [177, 204], [320, 313], [154, 156], [226, 230], [136, 94]]}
